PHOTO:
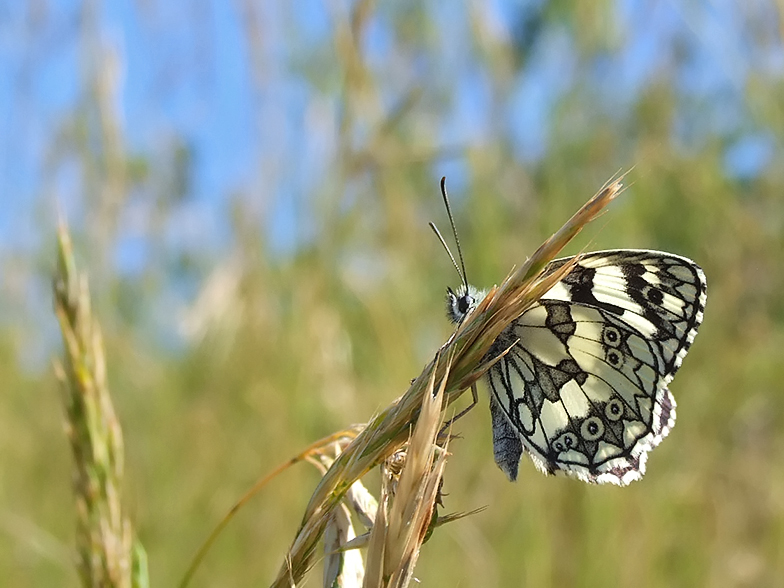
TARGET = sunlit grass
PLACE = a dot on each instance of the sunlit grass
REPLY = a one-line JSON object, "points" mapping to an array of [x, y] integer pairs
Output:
{"points": [[108, 552], [466, 349]]}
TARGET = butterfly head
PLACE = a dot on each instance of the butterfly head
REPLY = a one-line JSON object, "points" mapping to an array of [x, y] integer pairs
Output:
{"points": [[460, 303]]}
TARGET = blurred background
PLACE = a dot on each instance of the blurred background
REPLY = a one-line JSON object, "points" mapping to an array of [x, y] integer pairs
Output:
{"points": [[249, 184]]}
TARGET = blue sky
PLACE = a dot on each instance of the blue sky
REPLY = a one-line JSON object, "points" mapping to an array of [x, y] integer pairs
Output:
{"points": [[187, 74], [194, 74]]}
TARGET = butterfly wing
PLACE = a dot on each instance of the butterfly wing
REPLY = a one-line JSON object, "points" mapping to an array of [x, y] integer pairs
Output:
{"points": [[583, 388]]}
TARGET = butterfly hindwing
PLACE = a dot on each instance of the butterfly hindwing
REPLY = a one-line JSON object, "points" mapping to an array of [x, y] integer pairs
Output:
{"points": [[583, 388]]}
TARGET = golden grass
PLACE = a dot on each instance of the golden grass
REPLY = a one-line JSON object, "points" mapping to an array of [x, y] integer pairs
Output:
{"points": [[408, 500], [394, 541], [107, 552], [404, 439]]}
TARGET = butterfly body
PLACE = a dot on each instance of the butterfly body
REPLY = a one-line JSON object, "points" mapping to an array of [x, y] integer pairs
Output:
{"points": [[582, 387]]}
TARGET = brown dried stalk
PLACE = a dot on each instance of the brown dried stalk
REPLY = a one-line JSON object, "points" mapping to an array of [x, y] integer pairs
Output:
{"points": [[467, 348], [413, 505]]}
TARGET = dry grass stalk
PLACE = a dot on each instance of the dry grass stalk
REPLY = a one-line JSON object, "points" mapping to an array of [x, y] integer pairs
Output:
{"points": [[343, 565], [468, 347], [108, 554], [342, 568], [414, 497]]}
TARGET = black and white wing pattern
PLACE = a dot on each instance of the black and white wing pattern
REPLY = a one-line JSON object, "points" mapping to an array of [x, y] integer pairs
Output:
{"points": [[583, 389]]}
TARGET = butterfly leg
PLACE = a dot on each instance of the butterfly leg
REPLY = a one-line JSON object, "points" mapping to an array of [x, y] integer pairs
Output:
{"points": [[462, 413]]}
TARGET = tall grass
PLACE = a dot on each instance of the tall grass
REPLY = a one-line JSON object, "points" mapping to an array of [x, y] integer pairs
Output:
{"points": [[291, 344], [386, 433], [108, 553]]}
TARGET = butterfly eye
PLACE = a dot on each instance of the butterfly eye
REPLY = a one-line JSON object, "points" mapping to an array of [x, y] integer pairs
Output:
{"points": [[464, 303]]}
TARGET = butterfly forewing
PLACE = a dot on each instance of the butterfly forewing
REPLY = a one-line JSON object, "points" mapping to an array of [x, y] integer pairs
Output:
{"points": [[584, 386]]}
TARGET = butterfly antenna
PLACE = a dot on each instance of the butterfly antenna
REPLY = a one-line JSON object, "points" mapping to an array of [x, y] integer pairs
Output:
{"points": [[454, 232], [446, 248]]}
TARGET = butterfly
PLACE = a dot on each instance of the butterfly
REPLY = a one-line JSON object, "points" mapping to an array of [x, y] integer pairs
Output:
{"points": [[583, 387]]}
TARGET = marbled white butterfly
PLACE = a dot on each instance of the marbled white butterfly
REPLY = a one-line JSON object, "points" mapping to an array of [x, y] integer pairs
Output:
{"points": [[583, 387]]}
